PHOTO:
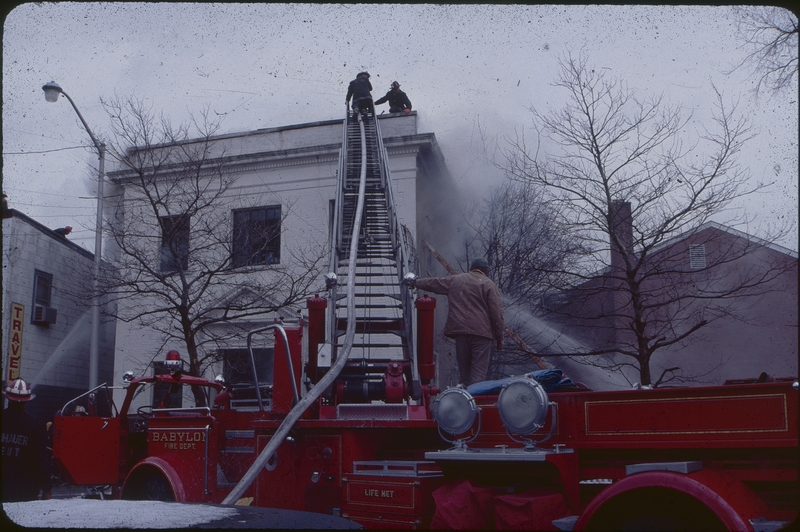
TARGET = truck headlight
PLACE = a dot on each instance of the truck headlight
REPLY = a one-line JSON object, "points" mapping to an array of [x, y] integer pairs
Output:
{"points": [[454, 410], [522, 405]]}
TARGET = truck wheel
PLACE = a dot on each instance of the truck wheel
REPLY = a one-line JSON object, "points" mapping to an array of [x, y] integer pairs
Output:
{"points": [[656, 522], [144, 485], [652, 509]]}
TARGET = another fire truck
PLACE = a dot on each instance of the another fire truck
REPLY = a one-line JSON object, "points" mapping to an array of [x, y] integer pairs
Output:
{"points": [[353, 424]]}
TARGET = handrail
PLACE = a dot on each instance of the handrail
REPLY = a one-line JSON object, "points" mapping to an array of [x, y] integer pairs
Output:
{"points": [[398, 237], [337, 229], [288, 359], [283, 430], [401, 249]]}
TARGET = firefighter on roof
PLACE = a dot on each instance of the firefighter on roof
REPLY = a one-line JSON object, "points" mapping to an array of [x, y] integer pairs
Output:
{"points": [[360, 90], [398, 101]]}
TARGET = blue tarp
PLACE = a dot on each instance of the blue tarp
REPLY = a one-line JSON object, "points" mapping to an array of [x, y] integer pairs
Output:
{"points": [[552, 380]]}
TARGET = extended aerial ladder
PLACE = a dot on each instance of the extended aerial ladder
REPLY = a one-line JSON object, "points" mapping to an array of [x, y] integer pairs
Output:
{"points": [[369, 345], [382, 315]]}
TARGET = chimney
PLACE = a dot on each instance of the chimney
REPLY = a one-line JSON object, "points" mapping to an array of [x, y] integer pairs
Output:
{"points": [[622, 227]]}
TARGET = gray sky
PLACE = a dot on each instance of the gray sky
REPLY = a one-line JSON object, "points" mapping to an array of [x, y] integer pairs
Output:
{"points": [[465, 68]]}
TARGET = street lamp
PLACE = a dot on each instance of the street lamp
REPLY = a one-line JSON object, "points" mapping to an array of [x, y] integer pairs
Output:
{"points": [[51, 92]]}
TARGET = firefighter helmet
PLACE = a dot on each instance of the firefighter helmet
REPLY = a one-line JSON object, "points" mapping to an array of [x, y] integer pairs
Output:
{"points": [[365, 74], [395, 85], [479, 263], [18, 390]]}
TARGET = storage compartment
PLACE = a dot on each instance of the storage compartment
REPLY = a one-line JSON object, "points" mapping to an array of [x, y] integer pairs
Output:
{"points": [[391, 494]]}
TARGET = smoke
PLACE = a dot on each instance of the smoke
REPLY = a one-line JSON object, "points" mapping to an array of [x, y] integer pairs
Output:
{"points": [[544, 338], [76, 340]]}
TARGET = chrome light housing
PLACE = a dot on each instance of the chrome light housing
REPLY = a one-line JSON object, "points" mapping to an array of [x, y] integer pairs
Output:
{"points": [[454, 410], [523, 406]]}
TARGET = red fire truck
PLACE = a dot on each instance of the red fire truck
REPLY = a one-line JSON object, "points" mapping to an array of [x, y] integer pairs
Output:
{"points": [[716, 458], [351, 422]]}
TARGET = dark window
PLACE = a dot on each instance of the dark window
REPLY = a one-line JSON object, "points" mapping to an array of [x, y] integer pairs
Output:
{"points": [[42, 288], [256, 236], [174, 243], [166, 395], [237, 368]]}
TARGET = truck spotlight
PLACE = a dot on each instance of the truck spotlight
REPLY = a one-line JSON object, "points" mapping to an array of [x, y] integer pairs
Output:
{"points": [[173, 359], [522, 405], [454, 410], [219, 379], [127, 377]]}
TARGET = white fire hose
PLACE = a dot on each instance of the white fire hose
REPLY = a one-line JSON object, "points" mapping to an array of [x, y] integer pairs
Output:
{"points": [[261, 461]]}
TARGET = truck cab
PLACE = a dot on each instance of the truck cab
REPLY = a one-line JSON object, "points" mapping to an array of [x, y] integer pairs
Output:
{"points": [[152, 439]]}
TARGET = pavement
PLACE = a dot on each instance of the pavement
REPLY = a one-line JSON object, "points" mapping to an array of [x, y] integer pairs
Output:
{"points": [[242, 516]]}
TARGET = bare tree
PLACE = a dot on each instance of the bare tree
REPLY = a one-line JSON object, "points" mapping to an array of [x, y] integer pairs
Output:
{"points": [[622, 175], [520, 236], [770, 35], [185, 266]]}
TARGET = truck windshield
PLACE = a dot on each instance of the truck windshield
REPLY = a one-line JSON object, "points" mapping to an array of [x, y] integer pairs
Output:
{"points": [[156, 395]]}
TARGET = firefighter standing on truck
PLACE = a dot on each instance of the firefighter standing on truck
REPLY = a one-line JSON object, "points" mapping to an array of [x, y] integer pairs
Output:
{"points": [[26, 462], [474, 317]]}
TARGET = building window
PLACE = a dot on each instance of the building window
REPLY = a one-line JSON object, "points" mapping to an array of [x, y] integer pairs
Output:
{"points": [[237, 368], [697, 256], [174, 243], [43, 314], [256, 236], [42, 288]]}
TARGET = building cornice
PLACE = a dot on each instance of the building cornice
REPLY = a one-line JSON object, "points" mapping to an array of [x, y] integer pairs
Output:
{"points": [[309, 155]]}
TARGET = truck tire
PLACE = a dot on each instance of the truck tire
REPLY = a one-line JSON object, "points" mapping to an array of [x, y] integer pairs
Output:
{"points": [[652, 509], [148, 484]]}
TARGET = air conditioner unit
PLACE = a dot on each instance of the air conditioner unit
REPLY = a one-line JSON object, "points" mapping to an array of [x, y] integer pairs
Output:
{"points": [[44, 315]]}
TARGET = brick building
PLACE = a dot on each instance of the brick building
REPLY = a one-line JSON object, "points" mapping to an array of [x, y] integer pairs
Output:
{"points": [[749, 332]]}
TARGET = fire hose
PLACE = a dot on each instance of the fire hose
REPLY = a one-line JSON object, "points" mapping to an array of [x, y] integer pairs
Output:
{"points": [[522, 345], [283, 430]]}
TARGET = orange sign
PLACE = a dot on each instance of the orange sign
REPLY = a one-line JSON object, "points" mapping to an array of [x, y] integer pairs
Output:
{"points": [[15, 342]]}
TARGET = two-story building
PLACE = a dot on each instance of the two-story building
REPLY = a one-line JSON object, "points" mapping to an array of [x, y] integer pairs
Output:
{"points": [[278, 190]]}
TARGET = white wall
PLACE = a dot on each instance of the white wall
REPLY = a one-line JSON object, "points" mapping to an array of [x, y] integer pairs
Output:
{"points": [[296, 167]]}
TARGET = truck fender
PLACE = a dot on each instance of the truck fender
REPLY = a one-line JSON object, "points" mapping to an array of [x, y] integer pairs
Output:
{"points": [[732, 502], [175, 471]]}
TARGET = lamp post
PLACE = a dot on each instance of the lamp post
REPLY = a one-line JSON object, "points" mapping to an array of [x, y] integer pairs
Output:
{"points": [[51, 92]]}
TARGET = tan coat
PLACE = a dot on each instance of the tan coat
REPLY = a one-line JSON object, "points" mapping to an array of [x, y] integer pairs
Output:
{"points": [[475, 304]]}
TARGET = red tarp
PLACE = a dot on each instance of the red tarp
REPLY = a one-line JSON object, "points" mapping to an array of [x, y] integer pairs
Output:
{"points": [[529, 510], [464, 506]]}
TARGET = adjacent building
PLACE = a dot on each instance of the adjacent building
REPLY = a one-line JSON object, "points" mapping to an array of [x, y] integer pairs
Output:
{"points": [[47, 314], [744, 291]]}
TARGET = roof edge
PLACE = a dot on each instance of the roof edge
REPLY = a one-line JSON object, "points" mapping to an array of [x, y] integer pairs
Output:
{"points": [[49, 232]]}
